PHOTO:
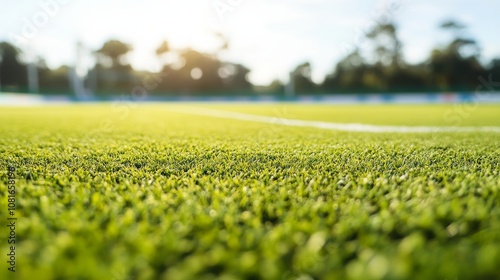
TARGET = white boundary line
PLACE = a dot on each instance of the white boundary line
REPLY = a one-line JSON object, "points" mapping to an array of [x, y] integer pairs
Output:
{"points": [[352, 127]]}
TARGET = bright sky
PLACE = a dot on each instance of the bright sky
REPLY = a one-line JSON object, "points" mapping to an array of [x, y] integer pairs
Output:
{"points": [[270, 37]]}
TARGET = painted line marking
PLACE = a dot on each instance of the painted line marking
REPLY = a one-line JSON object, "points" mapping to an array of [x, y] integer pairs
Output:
{"points": [[351, 127]]}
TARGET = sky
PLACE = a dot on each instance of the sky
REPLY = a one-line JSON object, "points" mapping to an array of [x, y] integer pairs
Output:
{"points": [[271, 37]]}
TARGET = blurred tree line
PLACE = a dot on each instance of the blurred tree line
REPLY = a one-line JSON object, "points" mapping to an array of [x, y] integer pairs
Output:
{"points": [[454, 67], [382, 68], [185, 71]]}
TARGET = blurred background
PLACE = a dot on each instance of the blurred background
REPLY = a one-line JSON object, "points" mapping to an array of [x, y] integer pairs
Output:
{"points": [[152, 49]]}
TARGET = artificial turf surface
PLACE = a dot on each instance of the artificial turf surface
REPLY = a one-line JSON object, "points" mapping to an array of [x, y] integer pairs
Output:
{"points": [[126, 191]]}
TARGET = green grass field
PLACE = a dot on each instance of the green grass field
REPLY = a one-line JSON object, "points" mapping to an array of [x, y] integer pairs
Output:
{"points": [[146, 192]]}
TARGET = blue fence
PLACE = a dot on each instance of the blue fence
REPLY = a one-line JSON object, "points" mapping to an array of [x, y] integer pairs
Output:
{"points": [[423, 98]]}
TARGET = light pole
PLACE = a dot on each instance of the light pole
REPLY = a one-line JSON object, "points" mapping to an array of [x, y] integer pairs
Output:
{"points": [[290, 87], [32, 71], [1, 58]]}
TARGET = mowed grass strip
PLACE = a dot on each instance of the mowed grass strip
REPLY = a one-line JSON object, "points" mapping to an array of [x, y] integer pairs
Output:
{"points": [[109, 192]]}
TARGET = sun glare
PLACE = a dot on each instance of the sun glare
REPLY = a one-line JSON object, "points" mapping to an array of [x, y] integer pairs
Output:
{"points": [[176, 22], [186, 27]]}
